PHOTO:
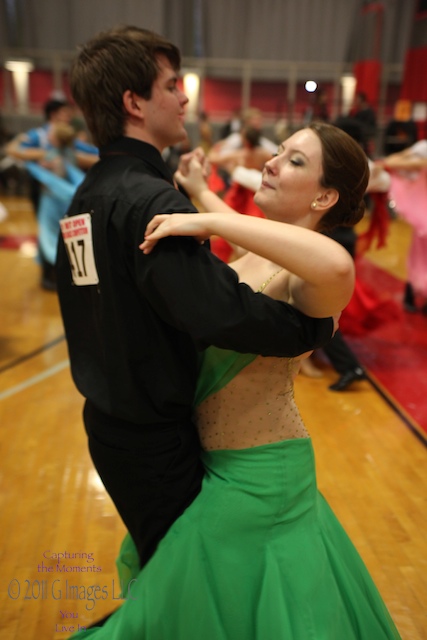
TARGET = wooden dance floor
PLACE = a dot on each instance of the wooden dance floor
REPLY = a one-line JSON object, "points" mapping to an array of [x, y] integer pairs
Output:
{"points": [[59, 530]]}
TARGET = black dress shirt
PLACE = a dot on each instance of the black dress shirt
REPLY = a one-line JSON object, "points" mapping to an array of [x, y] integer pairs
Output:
{"points": [[135, 337]]}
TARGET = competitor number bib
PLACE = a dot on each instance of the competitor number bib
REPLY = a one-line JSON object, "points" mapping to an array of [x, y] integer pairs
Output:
{"points": [[77, 234]]}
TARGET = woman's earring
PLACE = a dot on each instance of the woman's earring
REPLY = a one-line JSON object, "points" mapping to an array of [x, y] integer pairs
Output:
{"points": [[313, 205]]}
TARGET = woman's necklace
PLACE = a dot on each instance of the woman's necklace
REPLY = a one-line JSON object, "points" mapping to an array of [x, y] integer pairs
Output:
{"points": [[264, 284]]}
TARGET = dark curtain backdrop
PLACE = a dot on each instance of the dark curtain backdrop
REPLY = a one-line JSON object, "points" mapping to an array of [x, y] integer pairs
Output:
{"points": [[303, 30], [292, 30]]}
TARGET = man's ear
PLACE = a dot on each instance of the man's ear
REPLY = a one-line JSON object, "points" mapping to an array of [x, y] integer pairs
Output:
{"points": [[327, 199], [133, 104]]}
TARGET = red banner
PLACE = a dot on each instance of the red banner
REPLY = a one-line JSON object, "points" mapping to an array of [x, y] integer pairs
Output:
{"points": [[367, 74]]}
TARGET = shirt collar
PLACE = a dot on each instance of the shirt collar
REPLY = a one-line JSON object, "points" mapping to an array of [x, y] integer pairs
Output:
{"points": [[138, 149]]}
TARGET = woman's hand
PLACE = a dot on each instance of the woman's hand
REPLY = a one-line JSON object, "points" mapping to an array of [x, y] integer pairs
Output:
{"points": [[175, 224], [192, 176], [186, 158]]}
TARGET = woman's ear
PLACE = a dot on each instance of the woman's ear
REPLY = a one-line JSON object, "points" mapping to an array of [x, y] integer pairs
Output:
{"points": [[327, 199]]}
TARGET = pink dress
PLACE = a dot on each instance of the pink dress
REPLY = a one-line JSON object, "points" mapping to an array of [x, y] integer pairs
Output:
{"points": [[409, 191]]}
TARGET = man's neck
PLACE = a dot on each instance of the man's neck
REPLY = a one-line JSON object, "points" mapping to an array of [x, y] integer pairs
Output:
{"points": [[135, 132]]}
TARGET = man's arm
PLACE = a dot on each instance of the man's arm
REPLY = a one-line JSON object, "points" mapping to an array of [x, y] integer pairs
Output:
{"points": [[15, 149], [86, 154], [85, 160], [199, 294]]}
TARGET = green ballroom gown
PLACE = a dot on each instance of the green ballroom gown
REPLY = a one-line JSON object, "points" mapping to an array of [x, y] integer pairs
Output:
{"points": [[258, 555]]}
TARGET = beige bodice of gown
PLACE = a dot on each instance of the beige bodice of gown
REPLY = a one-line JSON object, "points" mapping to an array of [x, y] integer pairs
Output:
{"points": [[256, 407]]}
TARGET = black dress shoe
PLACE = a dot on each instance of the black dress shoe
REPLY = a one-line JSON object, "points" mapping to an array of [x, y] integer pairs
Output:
{"points": [[410, 308], [347, 379], [409, 299], [48, 284], [48, 279]]}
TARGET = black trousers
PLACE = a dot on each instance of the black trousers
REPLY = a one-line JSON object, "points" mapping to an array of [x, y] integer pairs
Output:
{"points": [[152, 473], [340, 355]]}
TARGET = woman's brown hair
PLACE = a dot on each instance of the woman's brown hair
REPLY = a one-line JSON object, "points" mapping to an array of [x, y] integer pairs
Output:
{"points": [[345, 168]]}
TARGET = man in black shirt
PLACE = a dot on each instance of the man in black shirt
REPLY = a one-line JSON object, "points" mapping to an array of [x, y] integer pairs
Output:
{"points": [[136, 324]]}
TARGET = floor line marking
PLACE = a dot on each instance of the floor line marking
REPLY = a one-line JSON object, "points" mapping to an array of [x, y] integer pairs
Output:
{"points": [[394, 404], [34, 380], [32, 354]]}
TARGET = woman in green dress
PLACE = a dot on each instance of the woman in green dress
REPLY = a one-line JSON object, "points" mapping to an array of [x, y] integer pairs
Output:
{"points": [[259, 555]]}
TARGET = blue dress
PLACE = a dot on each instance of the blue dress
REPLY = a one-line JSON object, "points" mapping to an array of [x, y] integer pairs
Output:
{"points": [[54, 202]]}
